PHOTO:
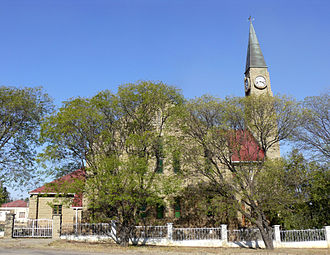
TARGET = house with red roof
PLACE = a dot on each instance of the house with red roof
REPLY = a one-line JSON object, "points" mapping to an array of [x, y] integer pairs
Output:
{"points": [[19, 207], [62, 196]]}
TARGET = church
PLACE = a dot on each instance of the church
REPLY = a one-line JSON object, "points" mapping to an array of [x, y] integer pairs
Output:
{"points": [[45, 202]]}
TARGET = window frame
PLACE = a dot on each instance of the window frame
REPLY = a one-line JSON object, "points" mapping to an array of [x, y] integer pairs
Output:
{"points": [[19, 215], [177, 208], [57, 210], [160, 212]]}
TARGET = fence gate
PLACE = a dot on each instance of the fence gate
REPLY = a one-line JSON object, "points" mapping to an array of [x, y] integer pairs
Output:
{"points": [[33, 228]]}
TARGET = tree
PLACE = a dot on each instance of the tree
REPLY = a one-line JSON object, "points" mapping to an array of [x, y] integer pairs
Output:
{"points": [[312, 208], [121, 141], [319, 190], [21, 113], [229, 145], [203, 206], [314, 136], [72, 134], [4, 195]]}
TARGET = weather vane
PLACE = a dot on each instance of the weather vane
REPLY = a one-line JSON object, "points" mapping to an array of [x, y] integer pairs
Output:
{"points": [[250, 19]]}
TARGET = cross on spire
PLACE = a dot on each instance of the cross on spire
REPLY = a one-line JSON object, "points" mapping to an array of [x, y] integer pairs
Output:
{"points": [[254, 56]]}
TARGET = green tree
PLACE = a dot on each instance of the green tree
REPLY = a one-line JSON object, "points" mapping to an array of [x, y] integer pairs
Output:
{"points": [[4, 195], [223, 138], [313, 135], [21, 113], [72, 134], [201, 205], [312, 209], [121, 140]]}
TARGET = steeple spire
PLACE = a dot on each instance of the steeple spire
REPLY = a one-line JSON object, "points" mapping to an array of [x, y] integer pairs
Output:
{"points": [[254, 56]]}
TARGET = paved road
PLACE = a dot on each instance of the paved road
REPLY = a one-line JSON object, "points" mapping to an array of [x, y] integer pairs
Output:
{"points": [[48, 247], [18, 251]]}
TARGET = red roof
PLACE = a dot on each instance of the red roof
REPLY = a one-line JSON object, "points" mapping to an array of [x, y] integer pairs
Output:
{"points": [[17, 203], [63, 185], [245, 147], [77, 200]]}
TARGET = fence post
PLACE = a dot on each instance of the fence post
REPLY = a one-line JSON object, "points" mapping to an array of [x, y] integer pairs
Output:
{"points": [[224, 234], [327, 235], [170, 231], [277, 235], [9, 225], [56, 234]]}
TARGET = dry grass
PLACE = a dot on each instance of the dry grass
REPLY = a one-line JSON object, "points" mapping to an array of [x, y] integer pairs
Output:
{"points": [[108, 248], [160, 250]]}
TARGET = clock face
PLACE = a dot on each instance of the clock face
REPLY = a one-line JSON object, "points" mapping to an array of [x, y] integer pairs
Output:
{"points": [[247, 84], [260, 82]]}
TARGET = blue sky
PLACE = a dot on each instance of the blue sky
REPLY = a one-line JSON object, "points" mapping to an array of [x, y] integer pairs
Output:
{"points": [[77, 48]]}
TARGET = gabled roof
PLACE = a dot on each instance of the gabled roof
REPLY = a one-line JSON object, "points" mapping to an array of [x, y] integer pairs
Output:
{"points": [[254, 56], [17, 203], [245, 147], [62, 184], [55, 186]]}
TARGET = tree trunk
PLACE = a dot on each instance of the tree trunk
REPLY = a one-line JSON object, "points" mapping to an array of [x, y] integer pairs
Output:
{"points": [[124, 237], [266, 234], [124, 234]]}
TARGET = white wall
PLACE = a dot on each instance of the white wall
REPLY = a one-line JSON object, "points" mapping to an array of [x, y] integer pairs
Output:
{"points": [[18, 212], [3, 214], [204, 243]]}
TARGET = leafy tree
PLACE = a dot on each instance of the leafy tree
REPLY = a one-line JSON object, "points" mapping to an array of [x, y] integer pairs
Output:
{"points": [[4, 195], [230, 142], [201, 206], [21, 113], [121, 140], [314, 135], [312, 208], [73, 133], [319, 190]]}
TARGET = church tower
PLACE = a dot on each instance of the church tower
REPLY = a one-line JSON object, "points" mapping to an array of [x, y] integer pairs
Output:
{"points": [[256, 79]]}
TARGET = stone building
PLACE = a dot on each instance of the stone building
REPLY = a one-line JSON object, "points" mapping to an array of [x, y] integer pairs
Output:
{"points": [[55, 199], [46, 201]]}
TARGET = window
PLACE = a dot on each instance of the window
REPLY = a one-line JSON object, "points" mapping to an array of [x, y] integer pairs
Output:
{"points": [[176, 162], [57, 210], [160, 211], [159, 165], [177, 208], [21, 215], [159, 155]]}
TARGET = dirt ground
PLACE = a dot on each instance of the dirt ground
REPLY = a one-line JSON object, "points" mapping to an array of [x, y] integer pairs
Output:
{"points": [[105, 248]]}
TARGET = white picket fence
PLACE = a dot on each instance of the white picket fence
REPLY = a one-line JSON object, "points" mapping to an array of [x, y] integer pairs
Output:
{"points": [[33, 228], [305, 235], [208, 237], [182, 234]]}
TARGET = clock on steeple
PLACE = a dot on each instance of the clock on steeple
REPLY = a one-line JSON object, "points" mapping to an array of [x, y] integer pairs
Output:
{"points": [[256, 79]]}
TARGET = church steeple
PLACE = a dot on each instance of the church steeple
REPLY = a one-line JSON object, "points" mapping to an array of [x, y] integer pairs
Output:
{"points": [[256, 79], [254, 56]]}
